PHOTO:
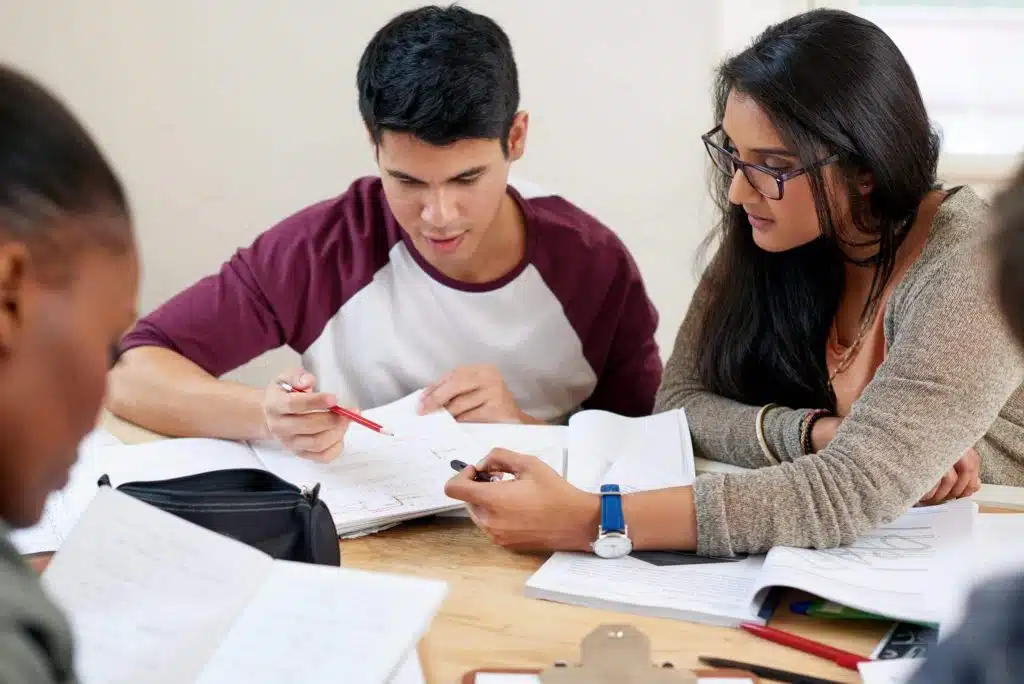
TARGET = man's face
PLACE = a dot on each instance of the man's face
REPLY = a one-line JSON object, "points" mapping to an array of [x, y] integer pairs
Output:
{"points": [[446, 198]]}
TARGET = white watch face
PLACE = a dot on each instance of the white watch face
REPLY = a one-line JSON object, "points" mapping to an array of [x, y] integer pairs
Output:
{"points": [[613, 545]]}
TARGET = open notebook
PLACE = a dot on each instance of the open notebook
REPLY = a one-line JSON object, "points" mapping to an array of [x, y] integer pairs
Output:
{"points": [[152, 598], [900, 570], [377, 481], [599, 447]]}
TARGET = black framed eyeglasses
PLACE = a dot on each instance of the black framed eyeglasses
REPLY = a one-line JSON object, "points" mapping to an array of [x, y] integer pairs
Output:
{"points": [[767, 181]]}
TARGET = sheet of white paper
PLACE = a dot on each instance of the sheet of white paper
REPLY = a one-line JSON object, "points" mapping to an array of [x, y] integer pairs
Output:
{"points": [[636, 453], [719, 591], [546, 442], [901, 570], [410, 671], [993, 550], [159, 460], [378, 477], [55, 522], [148, 595], [898, 671], [660, 454], [321, 624]]}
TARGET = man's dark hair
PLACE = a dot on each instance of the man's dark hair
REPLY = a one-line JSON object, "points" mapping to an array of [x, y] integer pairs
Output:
{"points": [[1008, 212], [440, 73]]}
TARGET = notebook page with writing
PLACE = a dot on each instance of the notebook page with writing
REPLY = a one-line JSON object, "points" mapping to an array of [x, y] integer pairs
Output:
{"points": [[321, 624], [378, 478], [901, 570], [148, 595], [715, 593], [653, 452]]}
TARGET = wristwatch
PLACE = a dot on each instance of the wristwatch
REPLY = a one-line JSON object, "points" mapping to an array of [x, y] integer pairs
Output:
{"points": [[612, 535]]}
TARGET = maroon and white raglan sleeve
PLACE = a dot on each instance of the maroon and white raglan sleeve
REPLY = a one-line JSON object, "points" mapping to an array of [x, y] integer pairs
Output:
{"points": [[593, 275], [280, 290]]}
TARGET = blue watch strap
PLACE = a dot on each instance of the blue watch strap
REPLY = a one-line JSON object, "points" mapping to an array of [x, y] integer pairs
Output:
{"points": [[612, 519]]}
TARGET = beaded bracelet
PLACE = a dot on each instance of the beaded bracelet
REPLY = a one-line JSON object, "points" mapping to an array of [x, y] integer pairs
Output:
{"points": [[807, 425]]}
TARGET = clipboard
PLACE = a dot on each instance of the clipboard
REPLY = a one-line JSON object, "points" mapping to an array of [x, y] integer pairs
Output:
{"points": [[613, 654]]}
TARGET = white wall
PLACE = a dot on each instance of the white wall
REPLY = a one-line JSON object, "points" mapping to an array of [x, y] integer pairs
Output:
{"points": [[223, 116]]}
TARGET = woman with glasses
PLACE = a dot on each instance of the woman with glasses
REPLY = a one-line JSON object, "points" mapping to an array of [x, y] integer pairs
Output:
{"points": [[842, 343]]}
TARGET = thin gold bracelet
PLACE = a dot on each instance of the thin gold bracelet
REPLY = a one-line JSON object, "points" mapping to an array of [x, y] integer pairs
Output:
{"points": [[759, 428]]}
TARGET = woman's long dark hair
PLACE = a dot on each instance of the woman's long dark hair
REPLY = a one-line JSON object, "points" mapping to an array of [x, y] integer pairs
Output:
{"points": [[831, 83]]}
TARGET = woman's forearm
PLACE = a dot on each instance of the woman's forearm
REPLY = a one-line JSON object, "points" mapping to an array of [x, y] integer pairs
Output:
{"points": [[663, 519]]}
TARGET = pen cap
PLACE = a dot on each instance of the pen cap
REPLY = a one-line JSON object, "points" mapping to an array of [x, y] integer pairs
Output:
{"points": [[616, 654]]}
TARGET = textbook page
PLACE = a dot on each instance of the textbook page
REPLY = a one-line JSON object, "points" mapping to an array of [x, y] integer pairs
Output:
{"points": [[321, 624], [714, 593], [379, 478], [148, 595], [52, 527], [653, 452], [901, 570]]}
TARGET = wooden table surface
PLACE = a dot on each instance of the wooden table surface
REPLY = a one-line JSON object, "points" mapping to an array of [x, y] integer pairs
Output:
{"points": [[486, 621]]}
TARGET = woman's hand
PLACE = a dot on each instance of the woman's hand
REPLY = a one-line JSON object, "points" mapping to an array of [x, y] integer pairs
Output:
{"points": [[962, 480], [538, 510]]}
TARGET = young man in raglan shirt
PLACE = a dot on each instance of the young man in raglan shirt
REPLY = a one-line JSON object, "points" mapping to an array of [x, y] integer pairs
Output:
{"points": [[507, 307]]}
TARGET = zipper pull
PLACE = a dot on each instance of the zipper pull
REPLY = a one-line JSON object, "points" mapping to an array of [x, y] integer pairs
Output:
{"points": [[311, 494]]}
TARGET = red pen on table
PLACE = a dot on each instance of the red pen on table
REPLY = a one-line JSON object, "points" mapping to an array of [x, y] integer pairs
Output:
{"points": [[345, 413], [837, 656]]}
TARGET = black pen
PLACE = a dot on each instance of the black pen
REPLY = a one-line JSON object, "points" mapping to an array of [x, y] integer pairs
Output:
{"points": [[766, 672], [480, 475]]}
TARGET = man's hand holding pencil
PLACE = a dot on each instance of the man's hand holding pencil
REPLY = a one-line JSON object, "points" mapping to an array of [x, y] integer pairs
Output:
{"points": [[303, 420]]}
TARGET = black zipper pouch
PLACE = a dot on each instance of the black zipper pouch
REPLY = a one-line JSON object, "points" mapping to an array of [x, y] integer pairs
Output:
{"points": [[252, 506]]}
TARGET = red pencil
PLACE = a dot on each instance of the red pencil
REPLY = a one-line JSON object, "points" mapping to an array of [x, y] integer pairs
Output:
{"points": [[345, 413], [837, 656]]}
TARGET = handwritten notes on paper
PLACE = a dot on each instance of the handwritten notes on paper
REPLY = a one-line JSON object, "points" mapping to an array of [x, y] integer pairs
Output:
{"points": [[156, 599], [148, 596], [379, 478]]}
